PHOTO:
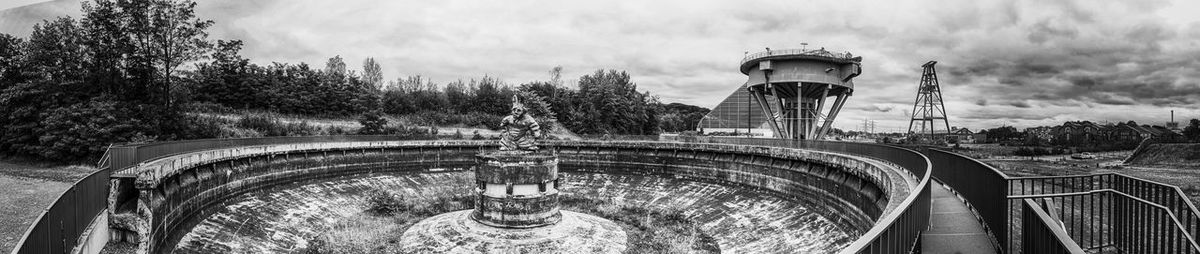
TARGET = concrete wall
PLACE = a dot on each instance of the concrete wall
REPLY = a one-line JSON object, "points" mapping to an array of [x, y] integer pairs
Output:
{"points": [[807, 71], [853, 190]]}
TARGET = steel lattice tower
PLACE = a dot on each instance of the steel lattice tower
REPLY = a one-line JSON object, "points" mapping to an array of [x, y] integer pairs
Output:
{"points": [[928, 108]]}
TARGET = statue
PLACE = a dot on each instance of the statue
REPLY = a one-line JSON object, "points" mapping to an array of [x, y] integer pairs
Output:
{"points": [[520, 130]]}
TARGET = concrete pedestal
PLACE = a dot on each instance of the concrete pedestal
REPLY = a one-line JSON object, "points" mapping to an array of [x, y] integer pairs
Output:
{"points": [[516, 189]]}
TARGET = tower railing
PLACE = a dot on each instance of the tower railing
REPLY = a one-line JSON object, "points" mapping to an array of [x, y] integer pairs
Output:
{"points": [[844, 56]]}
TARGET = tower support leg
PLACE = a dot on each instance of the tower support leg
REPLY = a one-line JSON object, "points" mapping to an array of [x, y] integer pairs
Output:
{"points": [[766, 109], [833, 112], [820, 105]]}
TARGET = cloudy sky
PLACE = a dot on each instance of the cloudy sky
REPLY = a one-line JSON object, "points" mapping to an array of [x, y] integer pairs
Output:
{"points": [[1001, 62]]}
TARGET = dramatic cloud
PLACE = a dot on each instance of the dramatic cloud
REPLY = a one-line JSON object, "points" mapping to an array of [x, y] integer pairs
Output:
{"points": [[1001, 62]]}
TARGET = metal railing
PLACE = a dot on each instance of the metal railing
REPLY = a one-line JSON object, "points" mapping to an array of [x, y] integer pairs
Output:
{"points": [[58, 228], [1043, 233], [798, 52], [997, 199], [1107, 220], [1170, 197]]}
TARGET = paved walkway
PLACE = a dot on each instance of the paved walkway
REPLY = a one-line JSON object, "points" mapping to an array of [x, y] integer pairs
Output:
{"points": [[953, 227]]}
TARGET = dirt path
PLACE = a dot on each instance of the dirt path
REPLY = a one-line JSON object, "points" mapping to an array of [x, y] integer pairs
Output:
{"points": [[27, 190]]}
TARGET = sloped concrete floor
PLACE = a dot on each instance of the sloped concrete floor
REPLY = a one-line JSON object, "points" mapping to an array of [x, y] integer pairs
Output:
{"points": [[742, 220]]}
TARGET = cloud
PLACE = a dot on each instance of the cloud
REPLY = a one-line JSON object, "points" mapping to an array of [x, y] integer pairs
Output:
{"points": [[1000, 61]]}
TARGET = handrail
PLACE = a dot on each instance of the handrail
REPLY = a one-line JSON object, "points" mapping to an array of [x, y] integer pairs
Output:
{"points": [[1191, 216], [1056, 230], [863, 242], [806, 52], [1178, 224], [20, 247]]}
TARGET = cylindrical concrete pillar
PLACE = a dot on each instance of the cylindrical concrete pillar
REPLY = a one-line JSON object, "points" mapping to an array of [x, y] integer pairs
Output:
{"points": [[516, 189]]}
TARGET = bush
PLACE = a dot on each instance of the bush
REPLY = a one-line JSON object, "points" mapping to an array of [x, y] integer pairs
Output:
{"points": [[270, 125], [86, 129], [384, 203], [208, 107], [373, 123], [201, 127]]}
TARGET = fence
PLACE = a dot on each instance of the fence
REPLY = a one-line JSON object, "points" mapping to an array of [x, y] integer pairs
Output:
{"points": [[1086, 205], [58, 228], [1043, 233]]}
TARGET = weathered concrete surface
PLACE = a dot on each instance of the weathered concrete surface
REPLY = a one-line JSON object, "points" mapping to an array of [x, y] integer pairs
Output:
{"points": [[282, 218], [853, 191], [526, 201], [454, 232], [742, 220]]}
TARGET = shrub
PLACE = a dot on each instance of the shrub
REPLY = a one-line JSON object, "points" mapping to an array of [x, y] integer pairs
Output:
{"points": [[259, 122], [373, 123], [382, 202], [270, 125], [86, 129], [201, 127]]}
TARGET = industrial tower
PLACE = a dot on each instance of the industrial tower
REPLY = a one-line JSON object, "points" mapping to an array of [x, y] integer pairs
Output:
{"points": [[787, 91], [928, 108]]}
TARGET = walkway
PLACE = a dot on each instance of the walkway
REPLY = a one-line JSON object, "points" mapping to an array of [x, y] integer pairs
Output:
{"points": [[953, 228]]}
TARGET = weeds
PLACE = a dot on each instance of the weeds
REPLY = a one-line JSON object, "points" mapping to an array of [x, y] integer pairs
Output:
{"points": [[388, 213]]}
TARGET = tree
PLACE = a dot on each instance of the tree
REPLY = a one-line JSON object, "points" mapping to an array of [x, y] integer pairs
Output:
{"points": [[610, 103], [1192, 131], [335, 65], [373, 123], [556, 75], [227, 79], [51, 57], [372, 73], [10, 59], [490, 97], [148, 40]]}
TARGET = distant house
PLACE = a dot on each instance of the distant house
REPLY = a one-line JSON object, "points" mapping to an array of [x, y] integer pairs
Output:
{"points": [[1078, 132], [981, 137], [1122, 132], [962, 135]]}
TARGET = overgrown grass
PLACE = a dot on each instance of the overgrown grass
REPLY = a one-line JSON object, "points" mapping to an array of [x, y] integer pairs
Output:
{"points": [[649, 230], [387, 214]]}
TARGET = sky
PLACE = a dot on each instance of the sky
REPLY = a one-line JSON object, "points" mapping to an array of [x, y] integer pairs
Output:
{"points": [[1020, 63]]}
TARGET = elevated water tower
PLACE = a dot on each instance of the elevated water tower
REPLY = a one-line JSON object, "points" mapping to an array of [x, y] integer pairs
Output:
{"points": [[792, 87]]}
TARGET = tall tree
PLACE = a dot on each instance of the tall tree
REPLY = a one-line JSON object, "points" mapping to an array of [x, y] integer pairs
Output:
{"points": [[556, 75], [373, 73], [11, 48], [150, 39], [335, 65], [1192, 131]]}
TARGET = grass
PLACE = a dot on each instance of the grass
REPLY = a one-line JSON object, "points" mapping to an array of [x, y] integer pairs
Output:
{"points": [[1182, 155], [386, 215]]}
